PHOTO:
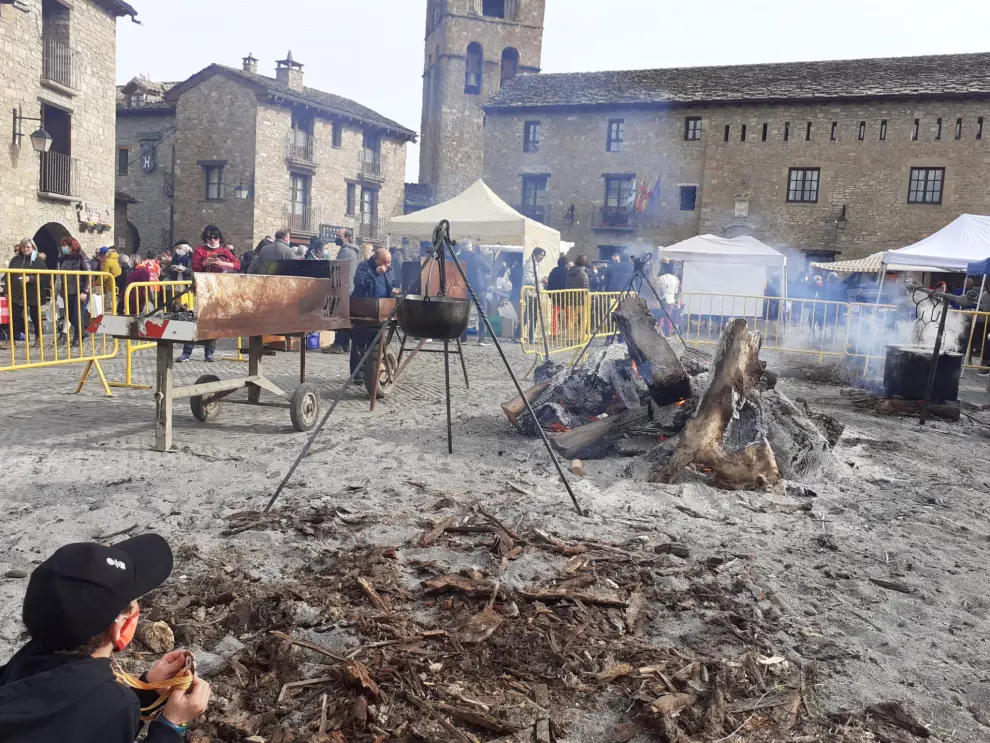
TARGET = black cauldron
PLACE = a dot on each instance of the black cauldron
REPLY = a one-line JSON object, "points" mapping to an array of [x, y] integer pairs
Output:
{"points": [[906, 374], [443, 318]]}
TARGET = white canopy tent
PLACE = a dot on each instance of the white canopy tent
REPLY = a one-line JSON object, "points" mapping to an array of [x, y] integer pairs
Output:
{"points": [[871, 264], [478, 213], [725, 266], [963, 241]]}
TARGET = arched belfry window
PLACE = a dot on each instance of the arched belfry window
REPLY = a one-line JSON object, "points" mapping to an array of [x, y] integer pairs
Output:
{"points": [[510, 65], [493, 8], [473, 80]]}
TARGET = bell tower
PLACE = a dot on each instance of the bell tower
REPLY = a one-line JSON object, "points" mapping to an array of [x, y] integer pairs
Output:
{"points": [[473, 47]]}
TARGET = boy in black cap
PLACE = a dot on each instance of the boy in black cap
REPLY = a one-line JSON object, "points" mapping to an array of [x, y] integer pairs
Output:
{"points": [[80, 606]]}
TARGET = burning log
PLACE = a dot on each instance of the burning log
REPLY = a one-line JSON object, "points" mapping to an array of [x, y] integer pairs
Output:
{"points": [[655, 359], [728, 436], [596, 439]]}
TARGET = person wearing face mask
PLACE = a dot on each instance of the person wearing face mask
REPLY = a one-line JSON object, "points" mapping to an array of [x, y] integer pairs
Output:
{"points": [[75, 289], [210, 257], [64, 685], [180, 269], [27, 292]]}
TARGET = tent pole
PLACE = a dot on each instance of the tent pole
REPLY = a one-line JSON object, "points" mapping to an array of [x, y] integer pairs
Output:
{"points": [[972, 329]]}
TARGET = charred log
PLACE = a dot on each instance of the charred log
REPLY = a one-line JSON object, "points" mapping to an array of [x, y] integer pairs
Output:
{"points": [[655, 359], [598, 438], [728, 438]]}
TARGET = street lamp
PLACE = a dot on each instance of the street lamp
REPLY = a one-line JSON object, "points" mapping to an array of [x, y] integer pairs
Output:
{"points": [[242, 192], [41, 140], [840, 222]]}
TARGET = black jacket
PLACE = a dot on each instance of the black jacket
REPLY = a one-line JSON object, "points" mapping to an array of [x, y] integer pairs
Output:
{"points": [[71, 699], [618, 275], [577, 278], [557, 280]]}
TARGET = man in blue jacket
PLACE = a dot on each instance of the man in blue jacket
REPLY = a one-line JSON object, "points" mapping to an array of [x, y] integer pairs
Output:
{"points": [[373, 280]]}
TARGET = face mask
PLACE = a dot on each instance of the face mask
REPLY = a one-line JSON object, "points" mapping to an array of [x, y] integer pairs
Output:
{"points": [[213, 242], [127, 631], [181, 251], [65, 250]]}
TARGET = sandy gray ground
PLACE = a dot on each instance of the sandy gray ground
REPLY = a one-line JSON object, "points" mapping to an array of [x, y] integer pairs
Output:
{"points": [[902, 503]]}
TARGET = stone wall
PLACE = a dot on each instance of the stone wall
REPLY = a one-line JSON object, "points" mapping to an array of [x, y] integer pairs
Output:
{"points": [[742, 185], [92, 34], [573, 154], [151, 215], [452, 149], [217, 121]]}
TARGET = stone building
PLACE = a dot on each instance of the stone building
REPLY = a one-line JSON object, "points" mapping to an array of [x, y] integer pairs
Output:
{"points": [[58, 68], [473, 47], [845, 157], [145, 166], [254, 154]]}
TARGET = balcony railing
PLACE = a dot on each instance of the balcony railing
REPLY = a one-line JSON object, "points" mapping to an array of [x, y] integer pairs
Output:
{"points": [[301, 218], [371, 165], [614, 218], [300, 149], [59, 64], [58, 174], [370, 228], [537, 212]]}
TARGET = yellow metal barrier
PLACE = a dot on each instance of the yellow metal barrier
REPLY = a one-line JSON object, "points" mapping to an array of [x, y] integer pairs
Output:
{"points": [[603, 305], [143, 297], [55, 307], [566, 314], [973, 343]]}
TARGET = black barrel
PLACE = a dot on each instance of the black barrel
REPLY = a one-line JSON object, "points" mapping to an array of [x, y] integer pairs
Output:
{"points": [[442, 318], [906, 374]]}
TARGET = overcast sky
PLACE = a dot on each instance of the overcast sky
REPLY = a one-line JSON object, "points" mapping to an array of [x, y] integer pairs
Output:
{"points": [[372, 50]]}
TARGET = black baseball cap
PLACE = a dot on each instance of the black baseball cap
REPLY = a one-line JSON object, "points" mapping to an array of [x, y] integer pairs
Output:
{"points": [[79, 591]]}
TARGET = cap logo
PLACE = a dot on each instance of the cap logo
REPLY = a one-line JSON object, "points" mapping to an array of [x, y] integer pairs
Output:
{"points": [[116, 563]]}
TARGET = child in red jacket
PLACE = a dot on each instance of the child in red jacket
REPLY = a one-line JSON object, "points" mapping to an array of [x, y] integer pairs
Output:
{"points": [[210, 257]]}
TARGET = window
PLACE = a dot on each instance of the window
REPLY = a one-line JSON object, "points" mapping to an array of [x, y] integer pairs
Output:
{"points": [[474, 69], [862, 131], [299, 193], [802, 185], [692, 128], [883, 130], [493, 8], [926, 185], [787, 130], [351, 199], [510, 65], [618, 191], [742, 133], [766, 128], [616, 134], [534, 197], [135, 99], [807, 133], [938, 128], [835, 131], [958, 128], [725, 134], [335, 134], [531, 136], [214, 182], [123, 158], [689, 198], [979, 128], [915, 130], [369, 205]]}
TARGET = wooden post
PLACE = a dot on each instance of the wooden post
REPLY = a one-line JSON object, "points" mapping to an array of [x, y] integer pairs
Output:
{"points": [[256, 351], [163, 394]]}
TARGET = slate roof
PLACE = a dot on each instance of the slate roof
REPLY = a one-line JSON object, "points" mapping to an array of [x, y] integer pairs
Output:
{"points": [[154, 94], [930, 76], [327, 103]]}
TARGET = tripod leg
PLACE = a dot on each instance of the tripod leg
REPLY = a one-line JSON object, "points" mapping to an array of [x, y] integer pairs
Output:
{"points": [[460, 352], [512, 374], [446, 382]]}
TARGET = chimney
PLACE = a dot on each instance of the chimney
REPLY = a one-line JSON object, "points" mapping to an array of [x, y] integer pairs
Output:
{"points": [[250, 64], [289, 73]]}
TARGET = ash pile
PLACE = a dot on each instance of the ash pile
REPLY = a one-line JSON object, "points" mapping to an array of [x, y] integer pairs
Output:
{"points": [[717, 419]]}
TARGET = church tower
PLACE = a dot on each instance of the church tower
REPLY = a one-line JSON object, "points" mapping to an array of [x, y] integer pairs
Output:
{"points": [[473, 47]]}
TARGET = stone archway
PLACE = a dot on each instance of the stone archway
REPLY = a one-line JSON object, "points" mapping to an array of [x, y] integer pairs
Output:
{"points": [[133, 238], [47, 239]]}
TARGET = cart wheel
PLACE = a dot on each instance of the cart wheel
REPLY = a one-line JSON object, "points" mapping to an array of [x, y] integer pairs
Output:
{"points": [[387, 378], [305, 406], [204, 407]]}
